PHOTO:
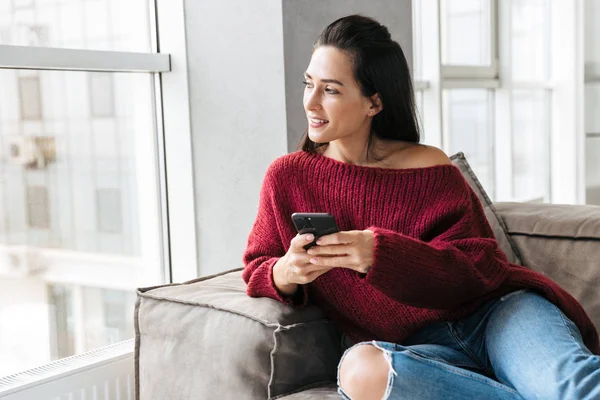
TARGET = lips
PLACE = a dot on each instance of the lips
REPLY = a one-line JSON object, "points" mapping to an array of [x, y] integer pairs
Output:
{"points": [[314, 122]]}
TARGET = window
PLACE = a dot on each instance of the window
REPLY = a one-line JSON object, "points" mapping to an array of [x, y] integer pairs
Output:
{"points": [[62, 321], [117, 316], [108, 210], [17, 4], [466, 34], [469, 129], [38, 209], [531, 145], [30, 97], [101, 95], [592, 101], [86, 178], [530, 40], [486, 67], [107, 316], [92, 24], [84, 318], [81, 176]]}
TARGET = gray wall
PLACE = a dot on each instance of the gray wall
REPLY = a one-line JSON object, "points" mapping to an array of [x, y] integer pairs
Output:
{"points": [[237, 95], [241, 95], [302, 23]]}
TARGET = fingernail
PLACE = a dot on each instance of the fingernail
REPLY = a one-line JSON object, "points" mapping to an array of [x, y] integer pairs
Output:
{"points": [[313, 260], [319, 242], [309, 237]]}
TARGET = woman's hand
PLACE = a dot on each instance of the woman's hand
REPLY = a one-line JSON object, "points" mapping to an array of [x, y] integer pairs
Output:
{"points": [[350, 249], [295, 268]]}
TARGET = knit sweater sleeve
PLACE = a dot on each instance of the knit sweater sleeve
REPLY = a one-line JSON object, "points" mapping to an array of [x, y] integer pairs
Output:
{"points": [[265, 248], [458, 261]]}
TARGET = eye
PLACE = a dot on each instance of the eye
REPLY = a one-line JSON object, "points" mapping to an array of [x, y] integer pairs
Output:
{"points": [[331, 91], [307, 84]]}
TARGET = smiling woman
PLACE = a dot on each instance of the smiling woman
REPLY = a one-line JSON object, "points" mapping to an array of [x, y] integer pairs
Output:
{"points": [[414, 278]]}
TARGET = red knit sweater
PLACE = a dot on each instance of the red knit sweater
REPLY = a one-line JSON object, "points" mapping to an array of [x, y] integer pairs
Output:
{"points": [[435, 256]]}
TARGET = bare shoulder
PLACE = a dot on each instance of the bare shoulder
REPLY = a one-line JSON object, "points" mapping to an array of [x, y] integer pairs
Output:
{"points": [[422, 156]]}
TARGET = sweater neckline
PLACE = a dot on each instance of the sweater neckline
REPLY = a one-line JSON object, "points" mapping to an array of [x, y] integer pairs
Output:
{"points": [[324, 160]]}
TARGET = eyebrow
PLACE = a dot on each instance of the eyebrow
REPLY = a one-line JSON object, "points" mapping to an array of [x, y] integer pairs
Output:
{"points": [[326, 80]]}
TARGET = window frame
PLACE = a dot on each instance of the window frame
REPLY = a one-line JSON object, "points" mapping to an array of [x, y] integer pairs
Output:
{"points": [[174, 164], [490, 72], [564, 85]]}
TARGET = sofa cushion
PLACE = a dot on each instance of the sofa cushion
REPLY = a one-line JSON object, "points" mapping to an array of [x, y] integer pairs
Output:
{"points": [[504, 241], [327, 392], [207, 337], [562, 242]]}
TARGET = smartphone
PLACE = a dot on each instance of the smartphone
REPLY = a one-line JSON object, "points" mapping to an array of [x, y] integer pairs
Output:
{"points": [[319, 224]]}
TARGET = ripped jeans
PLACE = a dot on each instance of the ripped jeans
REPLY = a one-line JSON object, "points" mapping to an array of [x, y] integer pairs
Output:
{"points": [[519, 346]]}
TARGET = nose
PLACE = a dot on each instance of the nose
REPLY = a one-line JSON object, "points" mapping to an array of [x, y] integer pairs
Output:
{"points": [[312, 100]]}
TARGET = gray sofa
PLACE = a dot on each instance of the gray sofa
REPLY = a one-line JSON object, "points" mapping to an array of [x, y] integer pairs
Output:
{"points": [[206, 339]]}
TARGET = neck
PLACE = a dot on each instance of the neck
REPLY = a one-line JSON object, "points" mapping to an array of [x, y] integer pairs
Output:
{"points": [[354, 151]]}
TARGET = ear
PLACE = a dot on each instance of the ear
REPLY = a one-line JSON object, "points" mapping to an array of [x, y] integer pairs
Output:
{"points": [[376, 105]]}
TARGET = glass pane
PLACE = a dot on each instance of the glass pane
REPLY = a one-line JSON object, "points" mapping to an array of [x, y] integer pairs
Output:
{"points": [[531, 145], [466, 32], [469, 123], [79, 212], [417, 41], [592, 169], [592, 143], [530, 40], [29, 93], [592, 101], [592, 38], [122, 25], [420, 109]]}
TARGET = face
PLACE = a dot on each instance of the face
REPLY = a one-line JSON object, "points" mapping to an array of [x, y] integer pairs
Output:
{"points": [[334, 106]]}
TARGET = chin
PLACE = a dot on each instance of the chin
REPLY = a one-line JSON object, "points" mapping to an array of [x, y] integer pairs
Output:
{"points": [[317, 138]]}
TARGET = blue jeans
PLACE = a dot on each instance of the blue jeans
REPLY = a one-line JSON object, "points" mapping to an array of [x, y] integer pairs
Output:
{"points": [[520, 346]]}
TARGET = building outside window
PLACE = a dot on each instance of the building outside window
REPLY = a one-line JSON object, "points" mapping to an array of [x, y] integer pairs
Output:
{"points": [[80, 209]]}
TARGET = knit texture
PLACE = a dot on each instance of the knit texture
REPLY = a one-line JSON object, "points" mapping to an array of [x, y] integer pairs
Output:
{"points": [[435, 255]]}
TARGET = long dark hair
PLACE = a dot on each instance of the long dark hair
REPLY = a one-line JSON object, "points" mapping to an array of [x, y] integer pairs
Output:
{"points": [[379, 67]]}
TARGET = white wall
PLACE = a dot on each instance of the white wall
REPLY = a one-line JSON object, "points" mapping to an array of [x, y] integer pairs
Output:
{"points": [[237, 95]]}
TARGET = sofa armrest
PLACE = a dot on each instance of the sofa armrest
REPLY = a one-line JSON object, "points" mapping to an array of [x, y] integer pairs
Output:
{"points": [[207, 339], [562, 242]]}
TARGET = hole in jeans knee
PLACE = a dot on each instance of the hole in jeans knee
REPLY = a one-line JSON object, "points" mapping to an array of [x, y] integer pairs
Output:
{"points": [[353, 370], [387, 355]]}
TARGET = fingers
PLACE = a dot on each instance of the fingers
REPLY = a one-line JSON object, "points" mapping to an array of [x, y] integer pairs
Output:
{"points": [[330, 250], [299, 241], [335, 261], [337, 238], [333, 251], [300, 270]]}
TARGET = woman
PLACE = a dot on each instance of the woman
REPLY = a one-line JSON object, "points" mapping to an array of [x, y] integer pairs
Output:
{"points": [[415, 279]]}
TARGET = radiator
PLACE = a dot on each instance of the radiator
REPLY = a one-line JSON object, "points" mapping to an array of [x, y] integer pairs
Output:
{"points": [[103, 374]]}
